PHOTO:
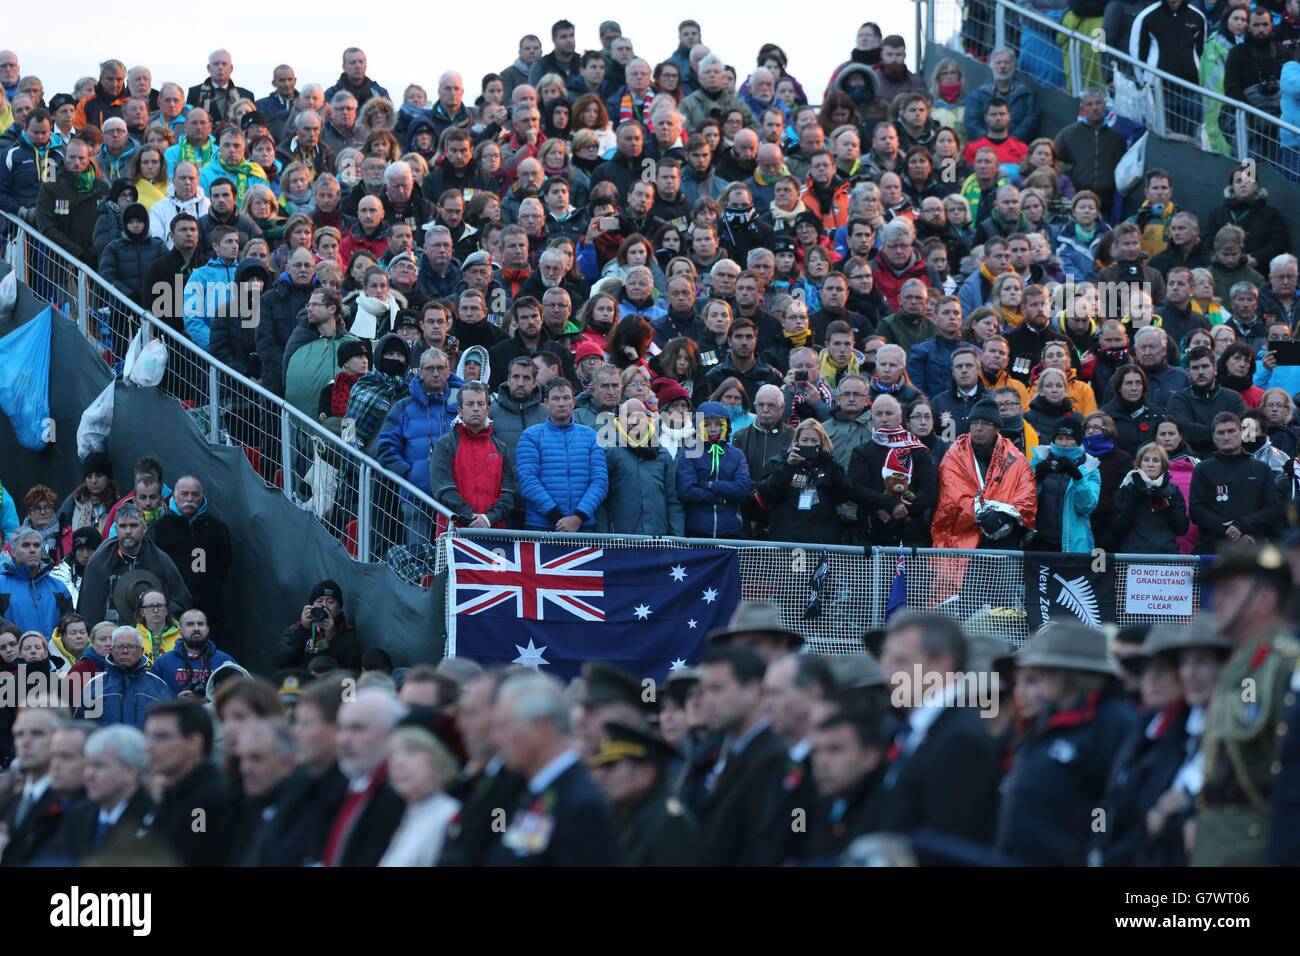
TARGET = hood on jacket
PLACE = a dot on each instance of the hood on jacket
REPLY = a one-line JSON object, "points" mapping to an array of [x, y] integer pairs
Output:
{"points": [[172, 509], [253, 269], [475, 353], [847, 70], [416, 390], [231, 669]]}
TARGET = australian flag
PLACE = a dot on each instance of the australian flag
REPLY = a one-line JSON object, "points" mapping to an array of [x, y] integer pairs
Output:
{"points": [[554, 606]]}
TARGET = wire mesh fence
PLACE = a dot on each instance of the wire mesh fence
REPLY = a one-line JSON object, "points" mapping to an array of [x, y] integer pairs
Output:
{"points": [[832, 596], [1063, 51], [369, 511]]}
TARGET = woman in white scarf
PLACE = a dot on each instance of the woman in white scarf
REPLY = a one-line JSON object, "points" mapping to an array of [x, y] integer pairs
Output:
{"points": [[375, 306], [1150, 506], [420, 767]]}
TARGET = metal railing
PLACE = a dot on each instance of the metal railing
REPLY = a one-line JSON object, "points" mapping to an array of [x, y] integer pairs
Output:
{"points": [[363, 505], [1073, 61], [984, 589]]}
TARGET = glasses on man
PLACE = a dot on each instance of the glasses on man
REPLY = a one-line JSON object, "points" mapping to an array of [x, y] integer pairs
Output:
{"points": [[42, 508]]}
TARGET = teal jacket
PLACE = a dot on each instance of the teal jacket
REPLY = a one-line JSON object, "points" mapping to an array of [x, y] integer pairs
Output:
{"points": [[1081, 497]]}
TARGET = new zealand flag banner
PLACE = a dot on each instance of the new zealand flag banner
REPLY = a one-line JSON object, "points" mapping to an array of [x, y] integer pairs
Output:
{"points": [[646, 610], [1064, 587]]}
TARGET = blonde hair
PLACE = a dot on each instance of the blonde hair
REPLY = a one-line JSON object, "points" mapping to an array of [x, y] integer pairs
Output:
{"points": [[1151, 448], [812, 425]]}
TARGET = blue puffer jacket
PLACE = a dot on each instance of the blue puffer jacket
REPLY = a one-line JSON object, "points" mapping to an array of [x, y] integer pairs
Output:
{"points": [[33, 602], [929, 364], [412, 427], [561, 472], [20, 183], [119, 696], [712, 485]]}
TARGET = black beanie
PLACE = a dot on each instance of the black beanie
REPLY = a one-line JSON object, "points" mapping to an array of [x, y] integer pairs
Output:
{"points": [[1071, 425], [135, 211], [350, 350], [96, 463], [87, 537], [986, 410], [327, 588]]}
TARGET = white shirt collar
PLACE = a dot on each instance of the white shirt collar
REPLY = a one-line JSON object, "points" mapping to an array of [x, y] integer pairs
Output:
{"points": [[549, 773], [35, 789], [112, 816]]}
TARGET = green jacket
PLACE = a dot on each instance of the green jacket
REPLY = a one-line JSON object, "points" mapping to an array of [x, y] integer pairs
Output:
{"points": [[309, 365], [1241, 745], [658, 831]]}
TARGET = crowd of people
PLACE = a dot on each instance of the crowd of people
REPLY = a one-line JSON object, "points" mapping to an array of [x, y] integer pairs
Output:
{"points": [[616, 297], [606, 295], [1129, 749]]}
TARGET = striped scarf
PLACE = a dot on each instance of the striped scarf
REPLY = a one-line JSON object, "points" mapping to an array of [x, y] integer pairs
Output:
{"points": [[629, 110]]}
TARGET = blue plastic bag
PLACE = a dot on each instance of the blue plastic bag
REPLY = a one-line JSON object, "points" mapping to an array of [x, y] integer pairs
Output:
{"points": [[25, 381]]}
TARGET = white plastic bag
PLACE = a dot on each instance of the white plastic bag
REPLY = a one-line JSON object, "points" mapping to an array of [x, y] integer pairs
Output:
{"points": [[1133, 101], [96, 423], [145, 361], [1129, 170], [323, 479], [8, 294]]}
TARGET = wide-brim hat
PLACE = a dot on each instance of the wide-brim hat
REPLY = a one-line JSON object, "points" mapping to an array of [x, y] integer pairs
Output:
{"points": [[756, 617], [1201, 633], [857, 671], [1250, 560], [128, 590], [984, 652], [1070, 647]]}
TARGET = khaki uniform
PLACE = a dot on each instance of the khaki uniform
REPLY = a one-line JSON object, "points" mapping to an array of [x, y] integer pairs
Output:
{"points": [[1242, 738]]}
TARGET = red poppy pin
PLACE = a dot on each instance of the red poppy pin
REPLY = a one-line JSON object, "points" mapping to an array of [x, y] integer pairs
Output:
{"points": [[1261, 653]]}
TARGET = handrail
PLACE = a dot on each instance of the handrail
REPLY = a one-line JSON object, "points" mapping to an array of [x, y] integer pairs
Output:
{"points": [[954, 12], [1137, 64], [561, 537], [280, 406]]}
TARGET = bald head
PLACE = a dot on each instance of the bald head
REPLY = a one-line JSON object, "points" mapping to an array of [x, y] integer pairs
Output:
{"points": [[747, 138]]}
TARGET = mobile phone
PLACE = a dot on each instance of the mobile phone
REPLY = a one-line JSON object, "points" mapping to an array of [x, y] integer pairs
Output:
{"points": [[801, 376], [608, 223]]}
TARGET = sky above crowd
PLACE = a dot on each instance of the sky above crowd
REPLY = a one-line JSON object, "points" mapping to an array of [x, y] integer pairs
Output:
{"points": [[416, 48]]}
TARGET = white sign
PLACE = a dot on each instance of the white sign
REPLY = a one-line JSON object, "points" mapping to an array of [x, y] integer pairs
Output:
{"points": [[1162, 589]]}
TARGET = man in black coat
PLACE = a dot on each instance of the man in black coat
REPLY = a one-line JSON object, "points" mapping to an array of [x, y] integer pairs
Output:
{"points": [[164, 283], [180, 736], [486, 784], [115, 805], [217, 94], [309, 799], [849, 765], [326, 632], [942, 747], [129, 551], [281, 304], [67, 206], [370, 810], [1233, 496], [29, 816], [1195, 407], [891, 518], [560, 819], [655, 828], [198, 542], [740, 818]]}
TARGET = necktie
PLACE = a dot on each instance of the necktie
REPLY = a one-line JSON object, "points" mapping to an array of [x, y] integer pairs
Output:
{"points": [[24, 807]]}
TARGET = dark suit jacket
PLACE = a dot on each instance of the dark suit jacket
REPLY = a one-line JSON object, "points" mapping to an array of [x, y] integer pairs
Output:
{"points": [[76, 839], [38, 829], [949, 783], [373, 828], [470, 836], [175, 821], [740, 822], [304, 811], [581, 823]]}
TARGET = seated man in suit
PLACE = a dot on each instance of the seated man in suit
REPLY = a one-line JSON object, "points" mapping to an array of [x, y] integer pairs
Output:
{"points": [[942, 748], [115, 804], [560, 819]]}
